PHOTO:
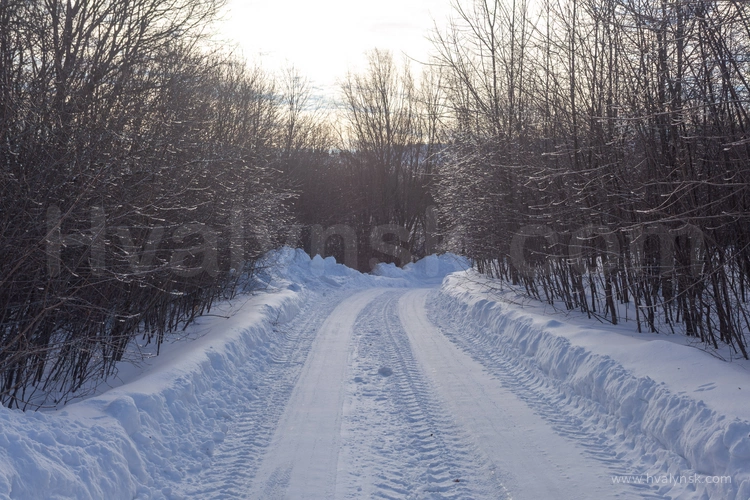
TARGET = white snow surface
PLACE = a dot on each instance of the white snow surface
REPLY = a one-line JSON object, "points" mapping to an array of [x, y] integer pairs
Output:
{"points": [[422, 382]]}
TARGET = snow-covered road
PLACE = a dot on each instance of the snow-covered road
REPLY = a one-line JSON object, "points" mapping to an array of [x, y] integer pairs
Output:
{"points": [[415, 383], [375, 401]]}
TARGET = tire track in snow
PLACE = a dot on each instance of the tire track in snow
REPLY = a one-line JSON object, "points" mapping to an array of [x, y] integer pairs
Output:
{"points": [[235, 461], [532, 387], [398, 440], [301, 460]]}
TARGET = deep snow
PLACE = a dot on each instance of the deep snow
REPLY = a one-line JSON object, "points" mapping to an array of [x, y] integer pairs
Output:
{"points": [[334, 384]]}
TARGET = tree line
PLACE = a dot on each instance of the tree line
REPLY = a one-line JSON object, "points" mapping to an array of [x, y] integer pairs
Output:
{"points": [[592, 152], [139, 182], [620, 116]]}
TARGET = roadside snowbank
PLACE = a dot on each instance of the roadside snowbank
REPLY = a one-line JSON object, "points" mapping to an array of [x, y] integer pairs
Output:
{"points": [[136, 439], [671, 408]]}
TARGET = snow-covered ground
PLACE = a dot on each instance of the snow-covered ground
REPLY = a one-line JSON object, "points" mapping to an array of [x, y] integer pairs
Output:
{"points": [[334, 384]]}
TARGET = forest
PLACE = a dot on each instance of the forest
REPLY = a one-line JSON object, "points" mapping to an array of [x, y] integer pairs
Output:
{"points": [[592, 153]]}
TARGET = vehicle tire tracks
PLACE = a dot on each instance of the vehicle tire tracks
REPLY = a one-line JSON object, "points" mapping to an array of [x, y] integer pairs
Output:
{"points": [[540, 393], [417, 451], [235, 461]]}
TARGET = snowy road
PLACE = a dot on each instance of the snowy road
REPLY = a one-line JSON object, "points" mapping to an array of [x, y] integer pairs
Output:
{"points": [[372, 400], [426, 382]]}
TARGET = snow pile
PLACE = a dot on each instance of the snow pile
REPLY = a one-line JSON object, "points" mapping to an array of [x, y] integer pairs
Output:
{"points": [[430, 270], [134, 440], [649, 398], [295, 266], [162, 420]]}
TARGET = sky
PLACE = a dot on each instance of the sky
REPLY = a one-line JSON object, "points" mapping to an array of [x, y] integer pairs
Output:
{"points": [[324, 39]]}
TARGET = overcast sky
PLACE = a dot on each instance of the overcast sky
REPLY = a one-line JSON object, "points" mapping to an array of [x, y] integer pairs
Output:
{"points": [[325, 38]]}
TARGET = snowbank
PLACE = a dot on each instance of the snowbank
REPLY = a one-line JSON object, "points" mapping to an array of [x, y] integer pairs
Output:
{"points": [[430, 270], [660, 403], [134, 440], [164, 418]]}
